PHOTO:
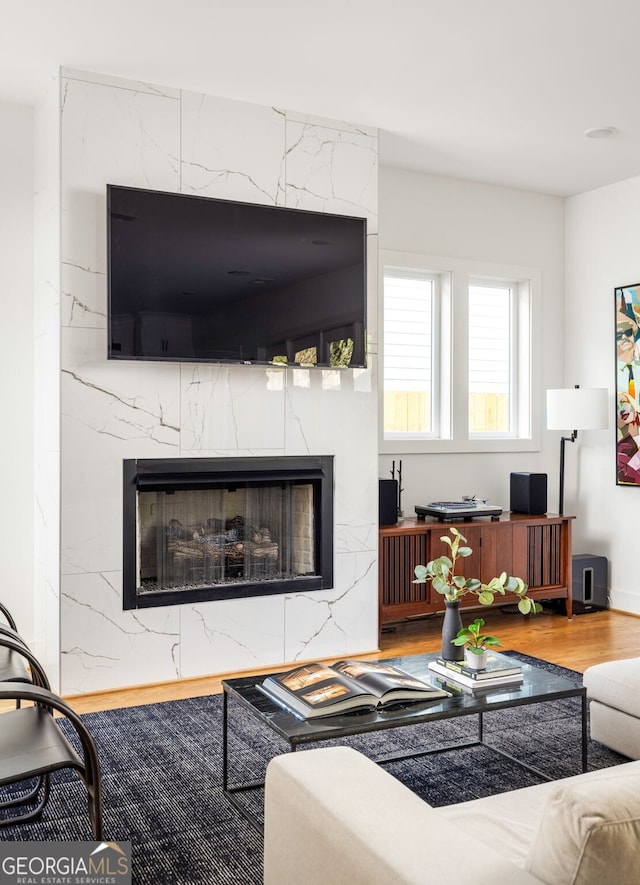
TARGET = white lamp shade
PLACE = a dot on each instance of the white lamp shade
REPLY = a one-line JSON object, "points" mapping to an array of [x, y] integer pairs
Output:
{"points": [[578, 408]]}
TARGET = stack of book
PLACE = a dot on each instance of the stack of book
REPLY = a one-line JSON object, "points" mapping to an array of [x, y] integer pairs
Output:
{"points": [[498, 671]]}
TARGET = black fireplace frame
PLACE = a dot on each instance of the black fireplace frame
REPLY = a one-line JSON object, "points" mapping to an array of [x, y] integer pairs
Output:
{"points": [[149, 474]]}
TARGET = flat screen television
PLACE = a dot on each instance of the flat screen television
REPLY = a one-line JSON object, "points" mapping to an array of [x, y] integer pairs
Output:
{"points": [[205, 280]]}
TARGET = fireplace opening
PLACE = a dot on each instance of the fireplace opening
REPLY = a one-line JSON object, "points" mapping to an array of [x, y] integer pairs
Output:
{"points": [[197, 529]]}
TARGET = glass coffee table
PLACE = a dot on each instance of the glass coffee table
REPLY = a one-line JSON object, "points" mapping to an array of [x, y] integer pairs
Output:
{"points": [[537, 686]]}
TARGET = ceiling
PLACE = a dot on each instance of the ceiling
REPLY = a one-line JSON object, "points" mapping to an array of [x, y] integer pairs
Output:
{"points": [[496, 91]]}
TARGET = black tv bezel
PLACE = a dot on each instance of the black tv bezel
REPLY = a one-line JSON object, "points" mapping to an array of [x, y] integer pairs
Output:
{"points": [[111, 355]]}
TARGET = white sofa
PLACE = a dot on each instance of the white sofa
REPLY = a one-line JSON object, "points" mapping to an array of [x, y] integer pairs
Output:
{"points": [[613, 689], [334, 817]]}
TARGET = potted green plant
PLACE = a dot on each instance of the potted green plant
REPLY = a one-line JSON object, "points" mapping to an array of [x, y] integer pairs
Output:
{"points": [[475, 644], [454, 587]]}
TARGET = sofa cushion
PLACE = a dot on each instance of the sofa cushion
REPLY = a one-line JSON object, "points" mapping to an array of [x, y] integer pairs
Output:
{"points": [[508, 819], [616, 684], [589, 833], [615, 729]]}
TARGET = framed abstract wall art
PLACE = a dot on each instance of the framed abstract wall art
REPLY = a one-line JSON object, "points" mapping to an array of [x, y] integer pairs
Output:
{"points": [[627, 316]]}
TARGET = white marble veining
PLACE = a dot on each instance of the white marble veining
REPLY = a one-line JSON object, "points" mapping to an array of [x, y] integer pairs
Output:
{"points": [[106, 418], [119, 83], [328, 123], [104, 646], [98, 394], [332, 170], [231, 409], [336, 622], [231, 636], [219, 156], [137, 135], [324, 417]]}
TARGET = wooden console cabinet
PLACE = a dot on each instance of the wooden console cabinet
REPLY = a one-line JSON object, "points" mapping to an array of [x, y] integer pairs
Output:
{"points": [[534, 548]]}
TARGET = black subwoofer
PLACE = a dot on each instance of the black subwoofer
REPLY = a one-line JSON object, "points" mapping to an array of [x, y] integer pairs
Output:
{"points": [[590, 588]]}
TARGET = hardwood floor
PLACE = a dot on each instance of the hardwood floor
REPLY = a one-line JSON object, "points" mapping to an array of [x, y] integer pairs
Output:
{"points": [[585, 640]]}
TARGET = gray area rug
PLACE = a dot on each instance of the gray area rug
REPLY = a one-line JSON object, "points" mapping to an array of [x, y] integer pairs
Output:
{"points": [[162, 778]]}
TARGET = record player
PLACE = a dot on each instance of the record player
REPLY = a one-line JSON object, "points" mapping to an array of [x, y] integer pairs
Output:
{"points": [[450, 511]]}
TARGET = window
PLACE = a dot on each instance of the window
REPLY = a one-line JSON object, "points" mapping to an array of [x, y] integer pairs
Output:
{"points": [[491, 312], [409, 308], [456, 361]]}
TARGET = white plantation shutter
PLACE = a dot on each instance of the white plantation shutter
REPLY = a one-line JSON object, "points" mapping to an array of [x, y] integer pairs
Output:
{"points": [[490, 358], [408, 352]]}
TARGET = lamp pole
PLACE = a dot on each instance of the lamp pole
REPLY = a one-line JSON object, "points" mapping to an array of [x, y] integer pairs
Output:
{"points": [[563, 440]]}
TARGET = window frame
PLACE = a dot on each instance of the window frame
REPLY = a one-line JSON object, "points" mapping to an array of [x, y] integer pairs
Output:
{"points": [[519, 358], [436, 320], [455, 277]]}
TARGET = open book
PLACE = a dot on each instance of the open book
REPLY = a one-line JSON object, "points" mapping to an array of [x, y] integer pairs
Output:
{"points": [[321, 690]]}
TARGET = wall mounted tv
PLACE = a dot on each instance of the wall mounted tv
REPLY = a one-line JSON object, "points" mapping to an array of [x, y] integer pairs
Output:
{"points": [[205, 280]]}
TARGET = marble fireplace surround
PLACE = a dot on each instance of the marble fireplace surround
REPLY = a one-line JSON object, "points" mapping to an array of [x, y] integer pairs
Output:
{"points": [[143, 135], [225, 528]]}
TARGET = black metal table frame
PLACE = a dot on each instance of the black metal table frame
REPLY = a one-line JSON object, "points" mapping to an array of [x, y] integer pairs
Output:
{"points": [[230, 791]]}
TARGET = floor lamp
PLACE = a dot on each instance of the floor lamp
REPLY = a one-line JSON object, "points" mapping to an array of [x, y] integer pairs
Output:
{"points": [[580, 408]]}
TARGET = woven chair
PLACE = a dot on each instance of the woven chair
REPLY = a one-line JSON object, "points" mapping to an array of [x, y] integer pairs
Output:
{"points": [[32, 745]]}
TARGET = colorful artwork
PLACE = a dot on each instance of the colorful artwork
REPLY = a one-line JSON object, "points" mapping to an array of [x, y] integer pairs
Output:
{"points": [[628, 385]]}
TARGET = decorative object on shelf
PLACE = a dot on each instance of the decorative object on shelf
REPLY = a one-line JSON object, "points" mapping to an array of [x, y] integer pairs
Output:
{"points": [[400, 488], [475, 661], [454, 511], [579, 408], [451, 627], [475, 644], [444, 580]]}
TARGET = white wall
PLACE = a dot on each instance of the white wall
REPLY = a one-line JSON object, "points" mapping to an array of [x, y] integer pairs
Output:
{"points": [[602, 252], [437, 216], [16, 363], [47, 381]]}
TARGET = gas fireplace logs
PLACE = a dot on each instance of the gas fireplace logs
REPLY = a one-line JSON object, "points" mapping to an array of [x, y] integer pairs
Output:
{"points": [[207, 545]]}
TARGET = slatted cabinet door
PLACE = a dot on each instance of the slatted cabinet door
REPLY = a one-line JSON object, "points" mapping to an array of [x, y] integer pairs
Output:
{"points": [[399, 555]]}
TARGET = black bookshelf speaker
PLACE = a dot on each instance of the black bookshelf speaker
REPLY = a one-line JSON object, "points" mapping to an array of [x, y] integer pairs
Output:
{"points": [[528, 493], [388, 501], [590, 576]]}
